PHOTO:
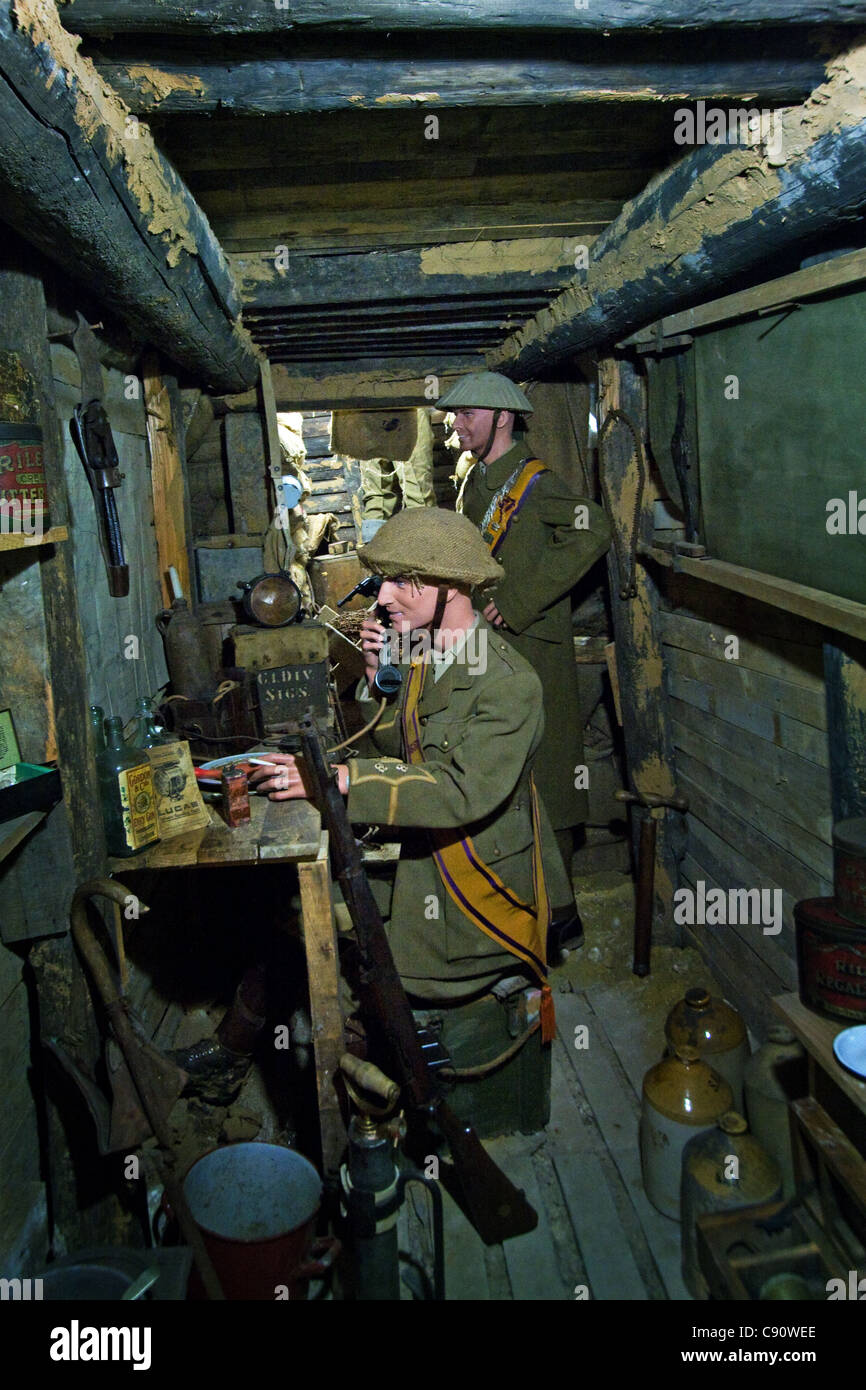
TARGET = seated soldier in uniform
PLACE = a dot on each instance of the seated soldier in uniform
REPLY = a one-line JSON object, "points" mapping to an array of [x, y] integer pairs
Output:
{"points": [[451, 766]]}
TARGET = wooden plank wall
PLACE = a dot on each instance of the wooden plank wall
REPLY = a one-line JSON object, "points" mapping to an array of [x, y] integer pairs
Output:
{"points": [[750, 738], [115, 680]]}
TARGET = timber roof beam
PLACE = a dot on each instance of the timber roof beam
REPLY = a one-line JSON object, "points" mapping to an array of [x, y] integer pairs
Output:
{"points": [[86, 185], [238, 17], [724, 211]]}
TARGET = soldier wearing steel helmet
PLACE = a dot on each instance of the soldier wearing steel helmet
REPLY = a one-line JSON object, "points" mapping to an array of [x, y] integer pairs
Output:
{"points": [[546, 537], [451, 765]]}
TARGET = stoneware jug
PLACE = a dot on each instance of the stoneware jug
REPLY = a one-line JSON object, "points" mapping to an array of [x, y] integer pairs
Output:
{"points": [[681, 1096], [775, 1076], [715, 1028], [724, 1169]]}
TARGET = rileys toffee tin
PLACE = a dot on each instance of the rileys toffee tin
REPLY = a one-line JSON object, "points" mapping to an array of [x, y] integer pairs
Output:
{"points": [[23, 498], [849, 868], [831, 960]]}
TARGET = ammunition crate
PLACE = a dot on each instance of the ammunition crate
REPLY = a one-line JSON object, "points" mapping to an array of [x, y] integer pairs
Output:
{"points": [[515, 1098]]}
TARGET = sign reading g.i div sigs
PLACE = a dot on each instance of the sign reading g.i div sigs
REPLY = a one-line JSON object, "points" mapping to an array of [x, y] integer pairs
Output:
{"points": [[289, 692]]}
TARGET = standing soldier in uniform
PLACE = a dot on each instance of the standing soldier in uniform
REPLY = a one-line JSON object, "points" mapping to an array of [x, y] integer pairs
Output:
{"points": [[546, 537]]}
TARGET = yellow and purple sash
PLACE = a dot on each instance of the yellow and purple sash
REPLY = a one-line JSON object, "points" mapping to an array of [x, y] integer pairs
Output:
{"points": [[508, 501], [475, 888]]}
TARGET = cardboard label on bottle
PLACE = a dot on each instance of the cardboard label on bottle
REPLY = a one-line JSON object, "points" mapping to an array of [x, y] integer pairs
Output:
{"points": [[138, 804], [179, 804]]}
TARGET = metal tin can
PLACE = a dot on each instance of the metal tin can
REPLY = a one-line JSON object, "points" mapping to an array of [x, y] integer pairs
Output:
{"points": [[849, 868], [831, 960], [23, 495], [236, 796]]}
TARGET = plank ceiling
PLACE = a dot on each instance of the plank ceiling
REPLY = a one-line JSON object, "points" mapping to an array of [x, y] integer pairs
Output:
{"points": [[311, 155]]}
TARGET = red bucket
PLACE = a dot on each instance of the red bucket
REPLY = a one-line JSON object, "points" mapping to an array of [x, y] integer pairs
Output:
{"points": [[256, 1207]]}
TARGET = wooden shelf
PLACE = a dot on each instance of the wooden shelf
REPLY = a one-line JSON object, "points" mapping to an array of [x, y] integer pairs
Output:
{"points": [[838, 273], [9, 541], [817, 1035], [12, 832], [840, 614]]}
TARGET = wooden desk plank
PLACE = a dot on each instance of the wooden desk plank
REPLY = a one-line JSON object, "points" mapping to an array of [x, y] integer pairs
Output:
{"points": [[278, 832], [291, 830], [817, 1035]]}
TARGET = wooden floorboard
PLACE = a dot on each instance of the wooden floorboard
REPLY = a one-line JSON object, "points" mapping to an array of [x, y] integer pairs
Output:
{"points": [[465, 1265], [531, 1259], [617, 1112]]}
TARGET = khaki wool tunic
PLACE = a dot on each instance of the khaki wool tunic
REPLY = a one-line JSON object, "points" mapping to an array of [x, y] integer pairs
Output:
{"points": [[481, 724], [544, 554]]}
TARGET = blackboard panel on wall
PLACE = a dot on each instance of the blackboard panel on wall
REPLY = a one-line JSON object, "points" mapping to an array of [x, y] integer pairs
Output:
{"points": [[782, 432]]}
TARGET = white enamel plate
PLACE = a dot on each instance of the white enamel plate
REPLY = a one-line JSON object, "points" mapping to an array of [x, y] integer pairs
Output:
{"points": [[850, 1049]]}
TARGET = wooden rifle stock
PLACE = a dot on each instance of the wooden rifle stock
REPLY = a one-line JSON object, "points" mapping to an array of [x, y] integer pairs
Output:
{"points": [[496, 1208]]}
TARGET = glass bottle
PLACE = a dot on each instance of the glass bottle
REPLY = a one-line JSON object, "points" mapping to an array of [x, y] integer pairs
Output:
{"points": [[146, 734], [126, 790], [97, 724]]}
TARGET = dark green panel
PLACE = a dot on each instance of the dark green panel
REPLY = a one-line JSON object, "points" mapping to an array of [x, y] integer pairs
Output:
{"points": [[772, 459]]}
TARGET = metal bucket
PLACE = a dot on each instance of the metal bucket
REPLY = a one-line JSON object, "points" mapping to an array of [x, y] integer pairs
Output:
{"points": [[256, 1206]]}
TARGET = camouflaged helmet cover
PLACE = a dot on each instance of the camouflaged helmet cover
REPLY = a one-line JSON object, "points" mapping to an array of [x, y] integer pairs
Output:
{"points": [[430, 544], [485, 391]]}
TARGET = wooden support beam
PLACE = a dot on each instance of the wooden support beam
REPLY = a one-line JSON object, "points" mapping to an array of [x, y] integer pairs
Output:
{"points": [[273, 450], [721, 211], [637, 632], [253, 17], [168, 479], [247, 471], [83, 181], [154, 83], [320, 945], [364, 278], [342, 385]]}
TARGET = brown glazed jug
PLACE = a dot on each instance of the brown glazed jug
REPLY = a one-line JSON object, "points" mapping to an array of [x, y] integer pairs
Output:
{"points": [[774, 1076], [718, 1032], [723, 1169], [681, 1096]]}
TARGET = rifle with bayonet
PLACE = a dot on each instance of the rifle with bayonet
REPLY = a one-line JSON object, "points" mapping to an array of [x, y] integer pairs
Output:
{"points": [[496, 1208]]}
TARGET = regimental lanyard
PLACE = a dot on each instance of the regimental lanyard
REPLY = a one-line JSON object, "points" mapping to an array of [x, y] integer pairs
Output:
{"points": [[508, 500], [475, 888]]}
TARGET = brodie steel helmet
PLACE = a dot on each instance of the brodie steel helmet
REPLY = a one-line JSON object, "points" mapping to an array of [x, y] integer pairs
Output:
{"points": [[485, 391], [430, 544]]}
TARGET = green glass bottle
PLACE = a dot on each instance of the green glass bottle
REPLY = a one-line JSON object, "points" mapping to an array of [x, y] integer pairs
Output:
{"points": [[97, 724], [126, 789]]}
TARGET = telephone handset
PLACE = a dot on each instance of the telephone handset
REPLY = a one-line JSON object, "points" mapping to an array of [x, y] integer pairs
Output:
{"points": [[389, 677]]}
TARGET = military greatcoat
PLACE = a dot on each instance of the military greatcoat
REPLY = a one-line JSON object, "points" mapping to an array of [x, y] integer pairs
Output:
{"points": [[549, 546], [481, 724]]}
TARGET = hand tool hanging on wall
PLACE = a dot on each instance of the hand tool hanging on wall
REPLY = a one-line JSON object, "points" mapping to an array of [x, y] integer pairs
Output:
{"points": [[646, 868], [91, 433], [680, 452]]}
